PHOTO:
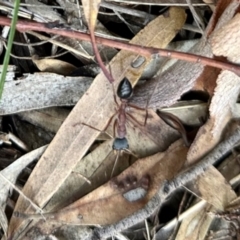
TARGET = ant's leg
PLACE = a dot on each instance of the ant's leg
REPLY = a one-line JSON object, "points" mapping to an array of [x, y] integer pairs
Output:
{"points": [[101, 131], [128, 151], [115, 163], [175, 123], [113, 89], [142, 109], [136, 107], [146, 117], [98, 57], [114, 96], [114, 128], [148, 101], [133, 119]]}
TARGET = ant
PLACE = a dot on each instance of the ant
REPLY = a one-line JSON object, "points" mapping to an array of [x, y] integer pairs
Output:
{"points": [[124, 92], [120, 143]]}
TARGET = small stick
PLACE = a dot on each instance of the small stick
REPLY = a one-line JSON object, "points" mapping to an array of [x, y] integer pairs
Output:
{"points": [[35, 206]]}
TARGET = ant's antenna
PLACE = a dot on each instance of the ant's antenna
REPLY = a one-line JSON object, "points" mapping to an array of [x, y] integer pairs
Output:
{"points": [[91, 11]]}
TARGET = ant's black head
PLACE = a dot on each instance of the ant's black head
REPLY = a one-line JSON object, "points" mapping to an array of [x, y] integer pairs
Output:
{"points": [[125, 89], [120, 144]]}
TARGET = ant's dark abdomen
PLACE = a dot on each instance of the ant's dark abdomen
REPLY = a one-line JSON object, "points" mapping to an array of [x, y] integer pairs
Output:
{"points": [[125, 89]]}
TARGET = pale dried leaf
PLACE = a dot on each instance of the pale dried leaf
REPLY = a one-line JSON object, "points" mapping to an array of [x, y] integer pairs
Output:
{"points": [[42, 90], [226, 40], [230, 168], [3, 221], [49, 119], [189, 112], [195, 226], [90, 8], [54, 66], [207, 187], [46, 12]]}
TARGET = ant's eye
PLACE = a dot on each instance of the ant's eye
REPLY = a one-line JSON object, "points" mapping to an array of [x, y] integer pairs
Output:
{"points": [[125, 89]]}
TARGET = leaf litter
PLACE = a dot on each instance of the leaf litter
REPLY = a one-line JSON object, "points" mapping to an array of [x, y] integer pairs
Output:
{"points": [[58, 181]]}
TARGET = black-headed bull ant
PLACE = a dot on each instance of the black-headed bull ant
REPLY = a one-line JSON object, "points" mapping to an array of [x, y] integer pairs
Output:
{"points": [[124, 93], [120, 143]]}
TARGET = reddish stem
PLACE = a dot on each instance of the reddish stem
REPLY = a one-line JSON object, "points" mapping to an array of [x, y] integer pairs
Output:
{"points": [[98, 57], [24, 26]]}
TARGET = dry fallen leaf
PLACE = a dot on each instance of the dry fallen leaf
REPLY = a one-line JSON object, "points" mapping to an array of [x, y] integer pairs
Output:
{"points": [[42, 90], [90, 8], [54, 66]]}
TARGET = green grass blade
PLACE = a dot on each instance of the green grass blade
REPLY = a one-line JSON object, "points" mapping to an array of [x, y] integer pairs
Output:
{"points": [[9, 45]]}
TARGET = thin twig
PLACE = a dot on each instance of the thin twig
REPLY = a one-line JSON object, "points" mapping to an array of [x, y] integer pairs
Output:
{"points": [[132, 11], [37, 208]]}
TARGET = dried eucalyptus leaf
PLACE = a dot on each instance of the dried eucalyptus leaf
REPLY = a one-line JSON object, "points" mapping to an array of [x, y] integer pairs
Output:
{"points": [[42, 90]]}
